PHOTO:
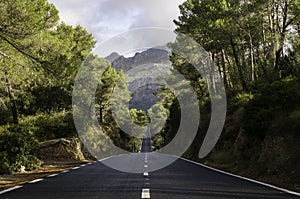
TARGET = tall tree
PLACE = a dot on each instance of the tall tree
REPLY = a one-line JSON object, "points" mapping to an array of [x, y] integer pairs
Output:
{"points": [[38, 52], [247, 39]]}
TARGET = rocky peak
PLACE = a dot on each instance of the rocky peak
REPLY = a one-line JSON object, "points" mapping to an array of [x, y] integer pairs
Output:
{"points": [[140, 85], [152, 55], [112, 57]]}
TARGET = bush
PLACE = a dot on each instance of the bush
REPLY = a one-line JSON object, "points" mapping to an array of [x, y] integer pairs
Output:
{"points": [[269, 101], [51, 126], [16, 144], [222, 157]]}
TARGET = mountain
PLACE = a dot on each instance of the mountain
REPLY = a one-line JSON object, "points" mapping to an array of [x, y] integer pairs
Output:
{"points": [[142, 70], [112, 57], [152, 55]]}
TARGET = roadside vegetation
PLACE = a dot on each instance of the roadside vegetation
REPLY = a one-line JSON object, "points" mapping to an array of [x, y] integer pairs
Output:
{"points": [[39, 59], [256, 48], [254, 44]]}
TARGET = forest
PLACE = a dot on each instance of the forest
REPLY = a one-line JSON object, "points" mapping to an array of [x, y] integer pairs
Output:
{"points": [[255, 45]]}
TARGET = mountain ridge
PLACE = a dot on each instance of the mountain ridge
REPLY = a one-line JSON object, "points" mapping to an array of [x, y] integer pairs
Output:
{"points": [[145, 67]]}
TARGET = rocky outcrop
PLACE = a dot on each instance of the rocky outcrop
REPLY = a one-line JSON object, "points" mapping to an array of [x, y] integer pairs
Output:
{"points": [[60, 150], [151, 55], [142, 70]]}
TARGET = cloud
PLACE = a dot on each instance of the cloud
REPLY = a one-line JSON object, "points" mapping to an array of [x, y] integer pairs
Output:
{"points": [[107, 18]]}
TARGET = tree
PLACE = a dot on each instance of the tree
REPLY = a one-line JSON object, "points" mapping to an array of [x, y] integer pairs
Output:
{"points": [[248, 40], [20, 22], [38, 53], [105, 89]]}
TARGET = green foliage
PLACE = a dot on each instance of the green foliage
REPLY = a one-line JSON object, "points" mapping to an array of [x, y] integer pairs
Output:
{"points": [[139, 117], [38, 55], [244, 43], [23, 18], [269, 101], [16, 144], [222, 157], [134, 145], [157, 142], [44, 99], [107, 82], [51, 126], [287, 124]]}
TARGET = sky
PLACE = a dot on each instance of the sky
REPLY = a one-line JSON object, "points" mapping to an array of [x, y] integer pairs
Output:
{"points": [[108, 18]]}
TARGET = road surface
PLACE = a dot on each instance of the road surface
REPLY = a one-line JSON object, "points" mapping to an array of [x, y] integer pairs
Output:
{"points": [[180, 180]]}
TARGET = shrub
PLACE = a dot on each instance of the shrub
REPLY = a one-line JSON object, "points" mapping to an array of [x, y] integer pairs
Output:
{"points": [[16, 146], [51, 126], [222, 157], [269, 101]]}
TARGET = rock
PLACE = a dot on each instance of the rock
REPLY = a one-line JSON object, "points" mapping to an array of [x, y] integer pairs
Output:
{"points": [[139, 84], [22, 169], [112, 57], [151, 55], [60, 150]]}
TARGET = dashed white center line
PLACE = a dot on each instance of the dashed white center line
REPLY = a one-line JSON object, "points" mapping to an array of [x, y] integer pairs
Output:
{"points": [[145, 193], [66, 171], [35, 181], [146, 166], [75, 168], [146, 174]]}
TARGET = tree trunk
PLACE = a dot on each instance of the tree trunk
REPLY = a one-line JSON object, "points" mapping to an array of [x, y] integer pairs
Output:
{"points": [[224, 69], [241, 75], [12, 101], [101, 114], [253, 72]]}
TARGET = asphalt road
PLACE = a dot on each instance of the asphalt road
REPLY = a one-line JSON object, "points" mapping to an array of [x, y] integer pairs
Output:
{"points": [[182, 179]]}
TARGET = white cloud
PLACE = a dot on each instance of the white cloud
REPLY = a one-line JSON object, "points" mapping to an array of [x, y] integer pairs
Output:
{"points": [[106, 18]]}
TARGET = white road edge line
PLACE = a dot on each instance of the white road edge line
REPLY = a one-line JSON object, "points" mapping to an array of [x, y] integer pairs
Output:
{"points": [[244, 178], [52, 175], [10, 189], [65, 171], [145, 193], [35, 181]]}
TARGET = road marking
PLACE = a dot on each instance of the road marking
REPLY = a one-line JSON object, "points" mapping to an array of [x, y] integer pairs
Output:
{"points": [[244, 178], [146, 174], [145, 193], [146, 166], [35, 181], [75, 168], [10, 189], [66, 171], [52, 175]]}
